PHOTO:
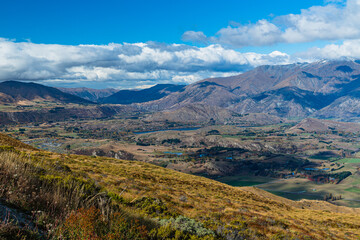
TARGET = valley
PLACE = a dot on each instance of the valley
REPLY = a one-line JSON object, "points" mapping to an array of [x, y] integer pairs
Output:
{"points": [[236, 161], [292, 160]]}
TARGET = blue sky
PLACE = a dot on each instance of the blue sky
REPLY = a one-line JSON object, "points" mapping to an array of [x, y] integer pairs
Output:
{"points": [[135, 44], [106, 21]]}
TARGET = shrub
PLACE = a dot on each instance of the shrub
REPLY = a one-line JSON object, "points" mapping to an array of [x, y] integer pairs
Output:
{"points": [[89, 224], [187, 226], [153, 207]]}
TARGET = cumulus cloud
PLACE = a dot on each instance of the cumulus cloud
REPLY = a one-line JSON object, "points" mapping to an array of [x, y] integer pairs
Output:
{"points": [[333, 21], [349, 49], [125, 65]]}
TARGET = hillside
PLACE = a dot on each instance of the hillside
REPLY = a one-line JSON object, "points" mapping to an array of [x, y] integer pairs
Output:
{"points": [[288, 102], [5, 140], [206, 93], [189, 207], [319, 125], [88, 93], [61, 114], [26, 93], [144, 95]]}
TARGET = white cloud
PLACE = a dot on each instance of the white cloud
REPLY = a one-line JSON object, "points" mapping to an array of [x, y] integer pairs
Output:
{"points": [[348, 49], [261, 33], [126, 64], [194, 36], [332, 21]]}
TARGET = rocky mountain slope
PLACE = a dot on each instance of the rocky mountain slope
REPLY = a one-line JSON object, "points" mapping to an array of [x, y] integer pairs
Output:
{"points": [[324, 77]]}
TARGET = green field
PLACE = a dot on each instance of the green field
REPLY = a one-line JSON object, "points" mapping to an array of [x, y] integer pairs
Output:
{"points": [[297, 196], [244, 181], [353, 189], [349, 160]]}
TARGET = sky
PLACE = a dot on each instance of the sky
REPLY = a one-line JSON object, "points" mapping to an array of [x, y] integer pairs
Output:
{"points": [[138, 43]]}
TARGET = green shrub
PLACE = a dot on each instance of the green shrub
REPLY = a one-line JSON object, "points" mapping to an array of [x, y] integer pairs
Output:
{"points": [[187, 226], [153, 207]]}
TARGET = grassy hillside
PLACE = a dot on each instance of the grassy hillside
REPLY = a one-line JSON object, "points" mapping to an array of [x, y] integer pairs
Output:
{"points": [[81, 197], [5, 140]]}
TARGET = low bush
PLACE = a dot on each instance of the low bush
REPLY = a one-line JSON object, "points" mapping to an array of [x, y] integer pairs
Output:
{"points": [[89, 224]]}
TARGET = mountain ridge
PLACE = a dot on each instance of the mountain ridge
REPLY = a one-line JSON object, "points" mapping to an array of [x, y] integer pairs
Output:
{"points": [[89, 93], [23, 92], [141, 95]]}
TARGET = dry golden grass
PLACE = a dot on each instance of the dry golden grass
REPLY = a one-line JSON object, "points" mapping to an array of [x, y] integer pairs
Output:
{"points": [[216, 203]]}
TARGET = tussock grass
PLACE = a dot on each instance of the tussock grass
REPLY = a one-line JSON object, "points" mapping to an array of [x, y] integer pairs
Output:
{"points": [[218, 205], [49, 192]]}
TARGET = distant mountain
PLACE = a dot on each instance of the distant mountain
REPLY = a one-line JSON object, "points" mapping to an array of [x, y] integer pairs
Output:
{"points": [[25, 93], [289, 102], [88, 93], [207, 93], [143, 95], [319, 77], [293, 91], [346, 108]]}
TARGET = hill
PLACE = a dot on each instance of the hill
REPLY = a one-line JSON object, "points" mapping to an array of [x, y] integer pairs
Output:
{"points": [[136, 200], [11, 142], [61, 113], [88, 93], [27, 93], [319, 125], [144, 95]]}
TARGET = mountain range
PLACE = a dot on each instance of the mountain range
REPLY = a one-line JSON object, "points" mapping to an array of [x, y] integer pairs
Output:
{"points": [[324, 89], [129, 96]]}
